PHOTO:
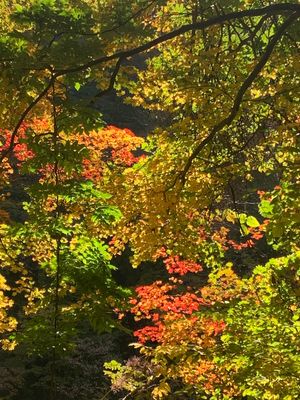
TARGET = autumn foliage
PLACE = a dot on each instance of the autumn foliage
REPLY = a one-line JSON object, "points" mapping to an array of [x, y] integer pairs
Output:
{"points": [[207, 202]]}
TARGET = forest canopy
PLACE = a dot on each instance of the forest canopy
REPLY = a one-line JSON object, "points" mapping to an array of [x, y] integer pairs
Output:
{"points": [[203, 206]]}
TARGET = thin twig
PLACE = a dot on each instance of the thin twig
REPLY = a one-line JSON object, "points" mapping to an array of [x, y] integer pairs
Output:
{"points": [[23, 117]]}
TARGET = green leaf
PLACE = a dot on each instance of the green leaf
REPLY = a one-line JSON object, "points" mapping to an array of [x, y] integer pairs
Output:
{"points": [[266, 208], [77, 86], [252, 222]]}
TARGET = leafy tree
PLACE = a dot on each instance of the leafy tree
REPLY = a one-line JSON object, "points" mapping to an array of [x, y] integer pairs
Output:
{"points": [[224, 76]]}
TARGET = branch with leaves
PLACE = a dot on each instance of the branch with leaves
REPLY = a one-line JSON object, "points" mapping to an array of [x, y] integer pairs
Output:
{"points": [[121, 56], [240, 95]]}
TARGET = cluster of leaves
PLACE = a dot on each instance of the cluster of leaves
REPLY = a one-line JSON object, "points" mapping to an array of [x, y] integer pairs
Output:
{"points": [[41, 39], [68, 218], [233, 335], [223, 73]]}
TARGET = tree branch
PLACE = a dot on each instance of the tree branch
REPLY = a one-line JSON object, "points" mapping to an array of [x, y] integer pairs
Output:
{"points": [[274, 9], [239, 97], [112, 79], [22, 118], [134, 15], [108, 30]]}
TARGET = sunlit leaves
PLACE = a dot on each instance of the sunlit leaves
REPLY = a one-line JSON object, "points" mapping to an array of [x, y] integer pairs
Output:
{"points": [[68, 216], [233, 334]]}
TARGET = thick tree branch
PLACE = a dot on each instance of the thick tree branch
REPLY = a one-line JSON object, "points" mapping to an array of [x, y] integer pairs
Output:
{"points": [[239, 97], [275, 9]]}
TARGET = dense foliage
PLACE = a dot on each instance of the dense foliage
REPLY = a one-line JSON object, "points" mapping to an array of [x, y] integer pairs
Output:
{"points": [[210, 199]]}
